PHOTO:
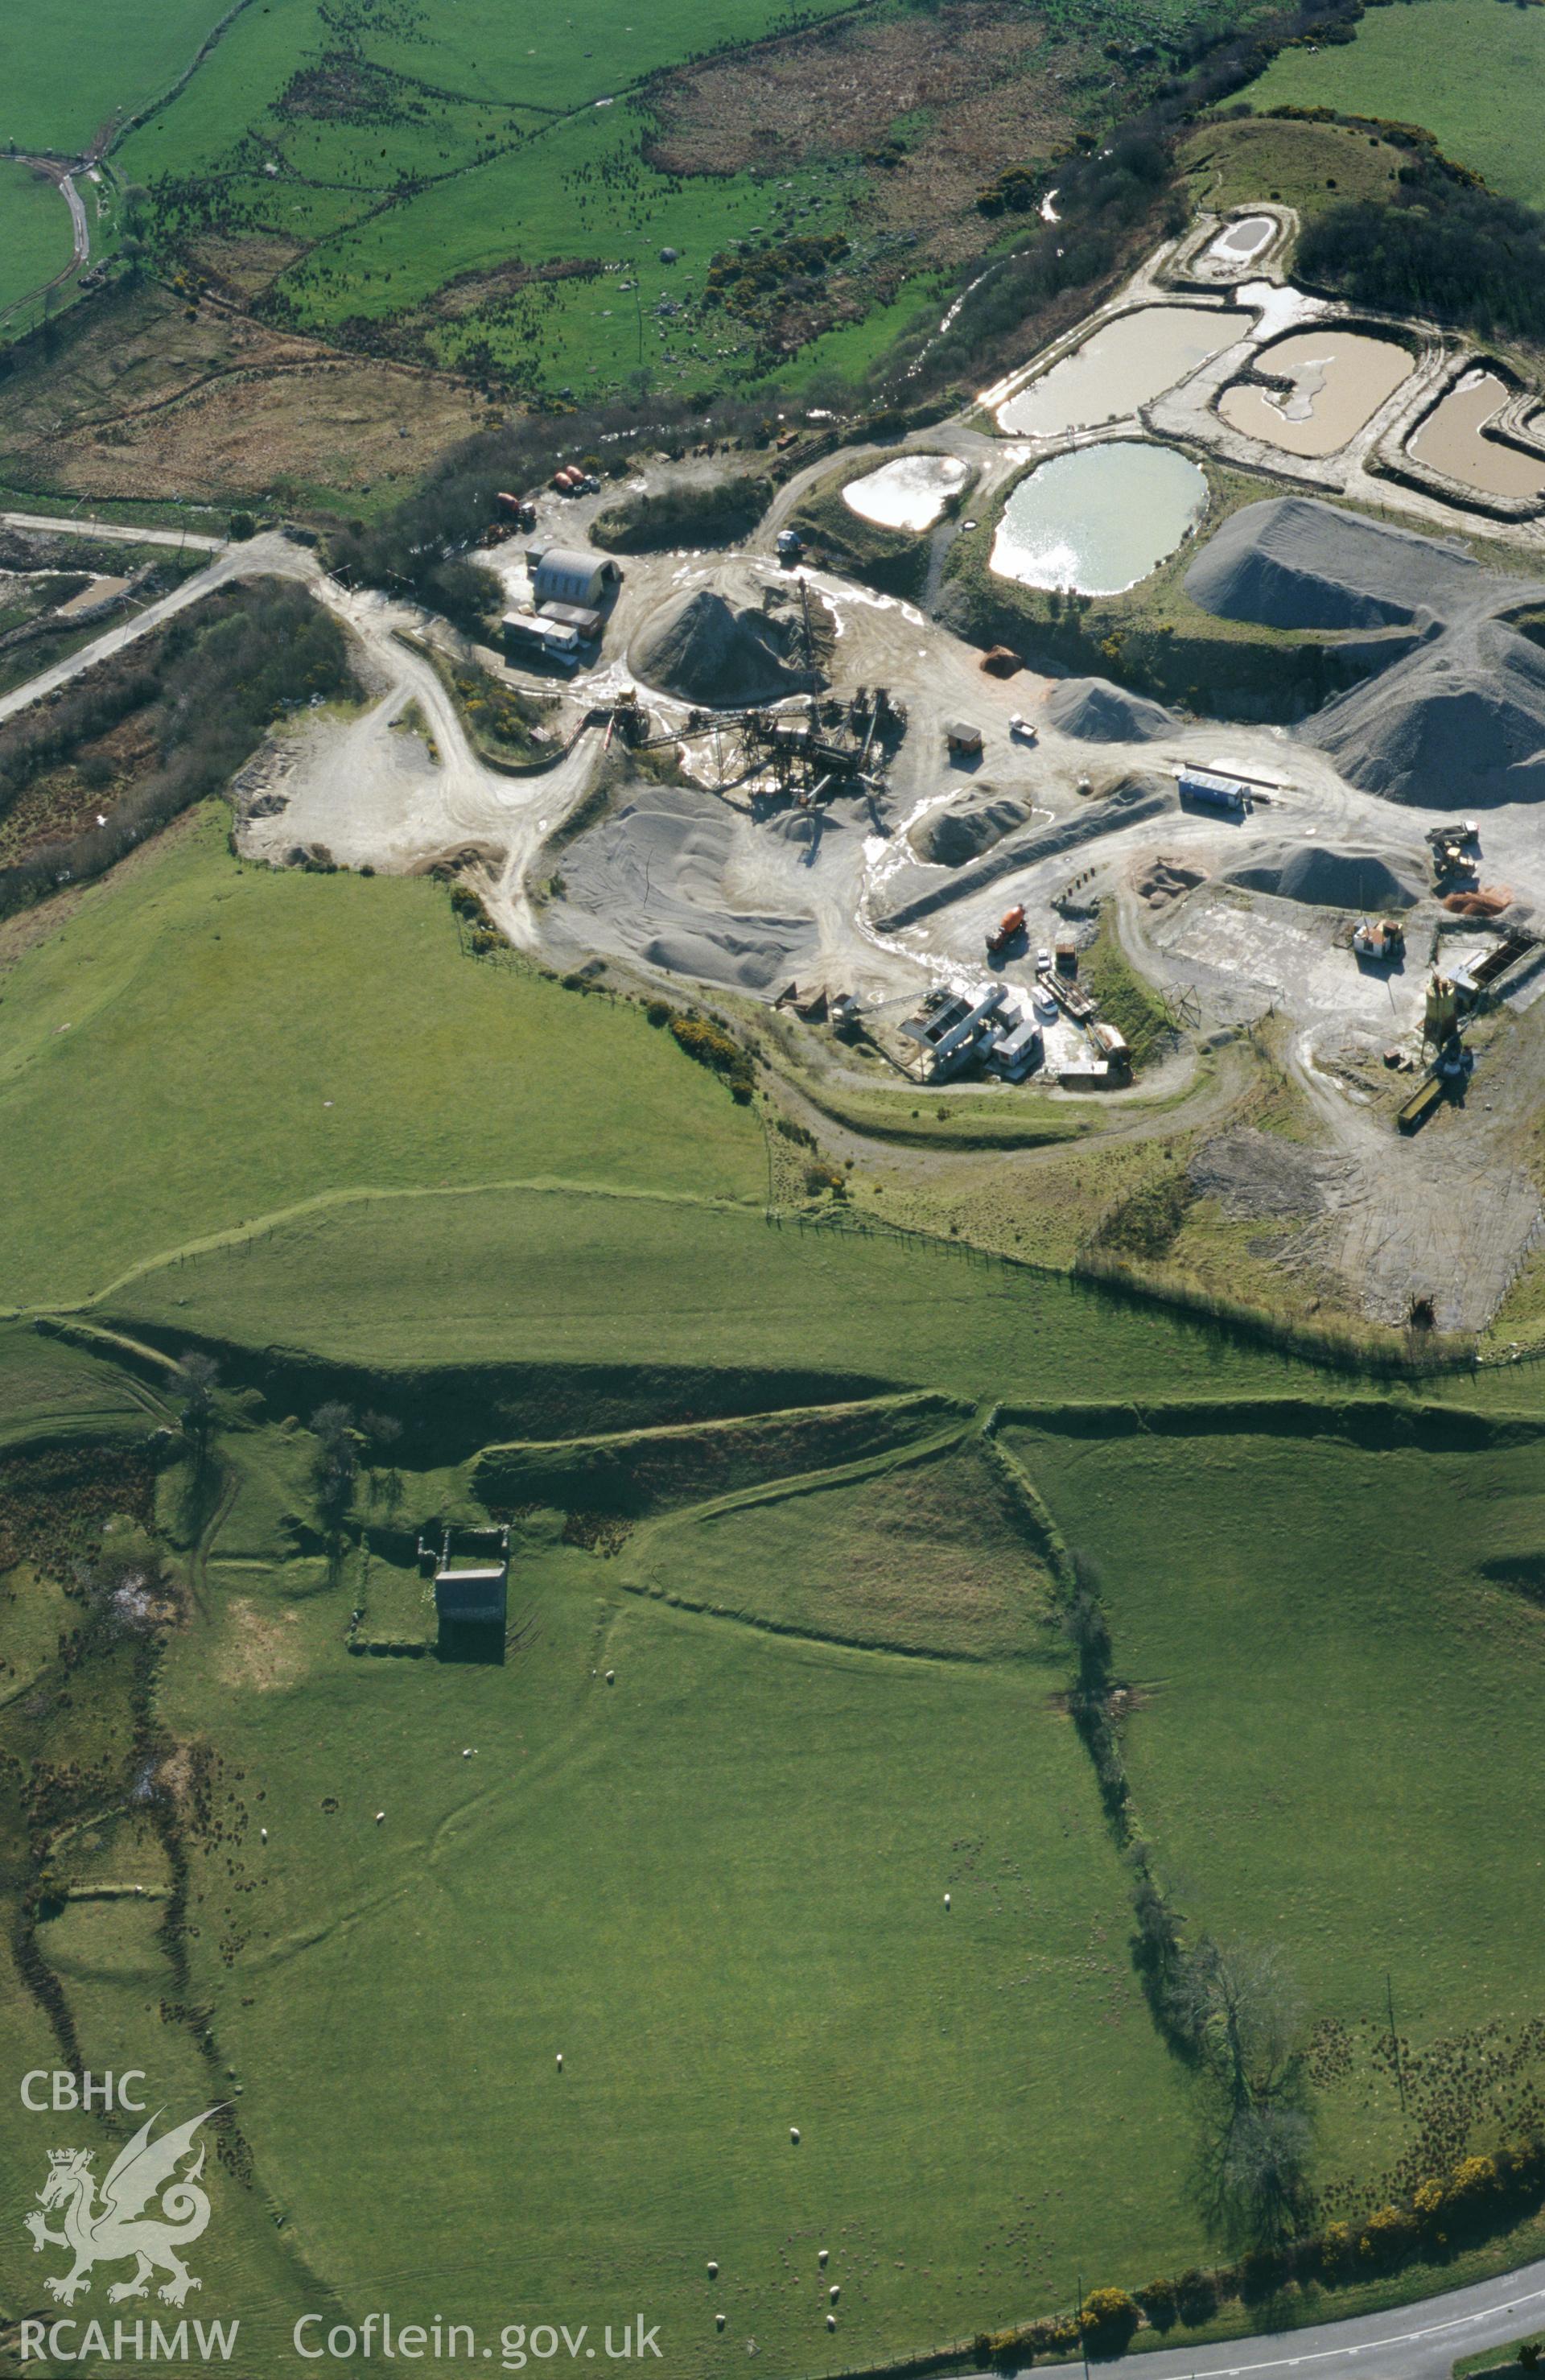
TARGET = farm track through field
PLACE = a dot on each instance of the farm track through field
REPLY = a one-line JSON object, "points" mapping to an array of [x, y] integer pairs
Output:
{"points": [[247, 1236], [81, 234]]}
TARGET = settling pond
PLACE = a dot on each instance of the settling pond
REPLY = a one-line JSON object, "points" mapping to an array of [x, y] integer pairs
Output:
{"points": [[1125, 364], [910, 493], [1330, 382], [1239, 241], [1449, 440], [1099, 519]]}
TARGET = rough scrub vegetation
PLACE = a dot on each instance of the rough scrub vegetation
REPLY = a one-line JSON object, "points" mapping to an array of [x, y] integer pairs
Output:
{"points": [[216, 681]]}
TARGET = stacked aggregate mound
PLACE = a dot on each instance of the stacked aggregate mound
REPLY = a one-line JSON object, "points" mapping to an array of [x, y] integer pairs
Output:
{"points": [[948, 838], [1098, 712], [1164, 880], [1331, 879], [704, 650], [1461, 720], [653, 880], [1293, 562], [1486, 901], [1130, 800]]}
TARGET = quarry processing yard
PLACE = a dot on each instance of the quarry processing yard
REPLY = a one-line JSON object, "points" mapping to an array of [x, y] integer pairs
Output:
{"points": [[679, 865], [883, 894]]}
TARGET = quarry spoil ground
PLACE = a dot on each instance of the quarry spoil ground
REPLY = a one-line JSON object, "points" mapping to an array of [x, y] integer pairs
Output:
{"points": [[678, 880], [671, 880], [675, 880]]}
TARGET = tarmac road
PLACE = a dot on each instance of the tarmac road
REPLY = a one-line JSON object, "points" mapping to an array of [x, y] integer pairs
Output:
{"points": [[271, 556], [1415, 2342], [78, 218], [120, 533]]}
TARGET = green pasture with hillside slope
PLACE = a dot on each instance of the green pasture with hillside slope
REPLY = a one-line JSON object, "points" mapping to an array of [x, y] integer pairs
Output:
{"points": [[1467, 71], [203, 1043], [35, 242], [780, 1811], [1333, 1632]]}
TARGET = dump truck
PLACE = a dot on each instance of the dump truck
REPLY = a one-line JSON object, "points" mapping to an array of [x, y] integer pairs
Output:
{"points": [[1012, 922], [1456, 848]]}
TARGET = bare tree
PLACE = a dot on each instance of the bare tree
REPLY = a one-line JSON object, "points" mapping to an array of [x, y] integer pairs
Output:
{"points": [[337, 1461], [1242, 2009]]}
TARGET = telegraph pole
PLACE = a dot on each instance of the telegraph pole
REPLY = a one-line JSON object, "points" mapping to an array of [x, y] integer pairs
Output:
{"points": [[1394, 2041]]}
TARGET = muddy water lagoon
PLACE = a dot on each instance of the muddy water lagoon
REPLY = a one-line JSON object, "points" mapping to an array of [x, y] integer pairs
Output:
{"points": [[1449, 440], [1326, 385], [1099, 519], [1123, 365], [910, 494], [1237, 242]]}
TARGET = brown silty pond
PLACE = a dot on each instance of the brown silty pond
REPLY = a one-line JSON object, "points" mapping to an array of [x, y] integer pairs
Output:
{"points": [[1449, 440], [1125, 364], [1332, 383]]}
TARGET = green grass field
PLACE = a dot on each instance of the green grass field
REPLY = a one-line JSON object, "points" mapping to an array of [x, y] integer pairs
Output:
{"points": [[504, 138], [1332, 1705], [717, 1884], [35, 242], [916, 1554], [1310, 166], [61, 91], [624, 1283], [1465, 69], [358, 1050]]}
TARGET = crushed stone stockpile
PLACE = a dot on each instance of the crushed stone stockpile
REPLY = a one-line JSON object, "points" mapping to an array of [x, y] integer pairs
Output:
{"points": [[707, 651], [650, 881], [1098, 712], [948, 838], [1461, 720], [1137, 798], [1331, 879], [1293, 562]]}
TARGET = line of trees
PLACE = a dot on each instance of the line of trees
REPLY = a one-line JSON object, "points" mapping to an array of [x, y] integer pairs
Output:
{"points": [[1232, 2011]]}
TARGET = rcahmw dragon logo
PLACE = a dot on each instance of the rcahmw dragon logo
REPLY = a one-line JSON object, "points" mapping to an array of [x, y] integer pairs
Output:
{"points": [[119, 2227]]}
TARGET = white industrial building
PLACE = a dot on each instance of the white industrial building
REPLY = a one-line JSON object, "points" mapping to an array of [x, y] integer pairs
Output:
{"points": [[949, 1025], [572, 575]]}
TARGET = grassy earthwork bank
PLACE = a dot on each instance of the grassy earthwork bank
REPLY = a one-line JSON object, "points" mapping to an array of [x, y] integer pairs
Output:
{"points": [[893, 560], [1462, 70], [1308, 166]]}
